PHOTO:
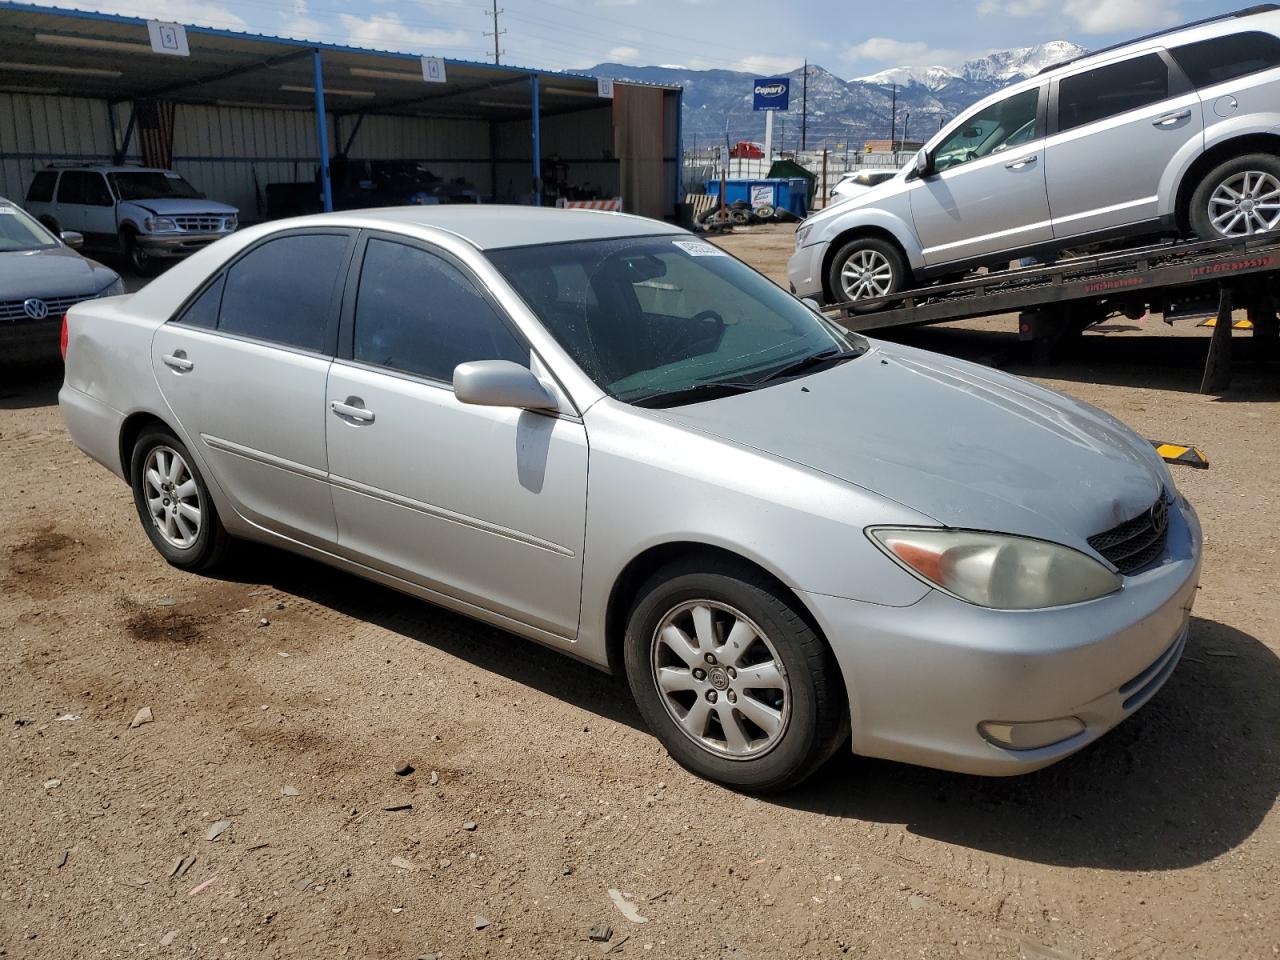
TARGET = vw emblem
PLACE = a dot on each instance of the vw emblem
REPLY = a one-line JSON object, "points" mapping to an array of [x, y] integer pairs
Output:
{"points": [[35, 308], [1160, 515]]}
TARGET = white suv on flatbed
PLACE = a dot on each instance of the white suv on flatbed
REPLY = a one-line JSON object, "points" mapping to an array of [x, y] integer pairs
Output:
{"points": [[146, 213]]}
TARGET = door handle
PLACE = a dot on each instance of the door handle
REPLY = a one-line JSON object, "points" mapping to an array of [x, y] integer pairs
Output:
{"points": [[352, 409], [1169, 119], [178, 361], [1023, 162]]}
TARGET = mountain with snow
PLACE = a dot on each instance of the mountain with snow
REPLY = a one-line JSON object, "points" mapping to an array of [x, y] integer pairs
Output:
{"points": [[841, 113]]}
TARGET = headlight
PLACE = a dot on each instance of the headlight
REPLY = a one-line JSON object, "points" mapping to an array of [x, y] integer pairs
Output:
{"points": [[996, 570], [113, 289], [160, 224], [802, 234], [230, 223]]}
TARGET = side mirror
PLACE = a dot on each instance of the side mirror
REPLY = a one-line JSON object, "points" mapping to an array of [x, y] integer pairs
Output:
{"points": [[501, 383], [924, 164], [72, 239]]}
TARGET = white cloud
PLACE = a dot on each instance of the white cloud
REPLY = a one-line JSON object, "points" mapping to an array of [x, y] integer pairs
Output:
{"points": [[1093, 16], [905, 53], [620, 54], [386, 31], [181, 11]]}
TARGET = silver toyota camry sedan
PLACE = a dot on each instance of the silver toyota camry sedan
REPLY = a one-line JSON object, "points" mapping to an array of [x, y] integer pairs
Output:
{"points": [[606, 435]]}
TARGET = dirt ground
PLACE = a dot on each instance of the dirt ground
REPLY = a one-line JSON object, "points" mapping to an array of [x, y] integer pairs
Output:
{"points": [[535, 790]]}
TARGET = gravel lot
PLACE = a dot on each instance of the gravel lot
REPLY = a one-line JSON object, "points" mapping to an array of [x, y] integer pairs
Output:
{"points": [[535, 792]]}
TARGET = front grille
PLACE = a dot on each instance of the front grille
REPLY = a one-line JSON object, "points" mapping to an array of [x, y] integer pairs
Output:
{"points": [[12, 311], [1135, 544], [199, 224]]}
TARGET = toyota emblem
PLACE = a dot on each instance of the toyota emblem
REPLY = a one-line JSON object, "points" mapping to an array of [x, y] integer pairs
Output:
{"points": [[1160, 515], [35, 308]]}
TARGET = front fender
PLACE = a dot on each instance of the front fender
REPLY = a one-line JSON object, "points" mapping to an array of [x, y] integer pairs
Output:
{"points": [[875, 218]]}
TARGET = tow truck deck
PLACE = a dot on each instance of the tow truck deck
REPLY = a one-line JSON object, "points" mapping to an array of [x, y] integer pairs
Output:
{"points": [[1176, 279]]}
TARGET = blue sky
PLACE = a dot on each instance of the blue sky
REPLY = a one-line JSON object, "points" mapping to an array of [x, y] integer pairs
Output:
{"points": [[849, 37]]}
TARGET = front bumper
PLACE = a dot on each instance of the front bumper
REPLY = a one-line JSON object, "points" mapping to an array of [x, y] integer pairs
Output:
{"points": [[177, 245], [804, 271], [921, 679]]}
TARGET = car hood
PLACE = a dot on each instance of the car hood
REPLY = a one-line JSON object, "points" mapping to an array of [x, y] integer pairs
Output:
{"points": [[167, 207], [50, 272], [965, 445]]}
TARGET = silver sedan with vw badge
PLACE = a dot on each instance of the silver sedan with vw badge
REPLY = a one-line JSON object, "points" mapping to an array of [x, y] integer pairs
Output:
{"points": [[606, 435]]}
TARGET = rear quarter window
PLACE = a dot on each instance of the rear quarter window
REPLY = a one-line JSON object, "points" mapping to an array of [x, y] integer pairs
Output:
{"points": [[1220, 59], [41, 189]]}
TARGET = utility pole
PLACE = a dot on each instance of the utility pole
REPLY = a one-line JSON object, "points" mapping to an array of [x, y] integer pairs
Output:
{"points": [[905, 120], [804, 109], [892, 120], [497, 54]]}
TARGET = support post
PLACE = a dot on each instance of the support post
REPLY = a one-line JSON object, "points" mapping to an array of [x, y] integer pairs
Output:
{"points": [[537, 141], [679, 192], [768, 136], [1266, 326], [1217, 366], [322, 132], [123, 152]]}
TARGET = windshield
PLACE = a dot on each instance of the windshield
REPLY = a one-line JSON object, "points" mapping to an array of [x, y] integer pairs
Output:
{"points": [[153, 185], [19, 232], [650, 316]]}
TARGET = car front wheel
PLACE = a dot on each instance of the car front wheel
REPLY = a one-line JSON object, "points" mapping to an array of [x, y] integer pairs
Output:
{"points": [[733, 681], [173, 502], [1239, 198], [864, 269]]}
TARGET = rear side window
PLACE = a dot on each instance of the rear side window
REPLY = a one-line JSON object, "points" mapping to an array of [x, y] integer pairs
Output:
{"points": [[1111, 90], [41, 189], [282, 291], [203, 311], [1220, 59], [418, 313], [86, 188], [71, 189]]}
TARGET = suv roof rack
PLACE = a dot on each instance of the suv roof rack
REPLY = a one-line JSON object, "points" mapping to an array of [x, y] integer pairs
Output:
{"points": [[74, 164], [1246, 12]]}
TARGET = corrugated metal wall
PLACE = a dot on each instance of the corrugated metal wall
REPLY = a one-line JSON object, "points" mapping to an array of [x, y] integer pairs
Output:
{"points": [[35, 129], [583, 139]]}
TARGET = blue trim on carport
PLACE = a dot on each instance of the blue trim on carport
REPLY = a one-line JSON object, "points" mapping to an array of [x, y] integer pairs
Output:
{"points": [[537, 141], [322, 132]]}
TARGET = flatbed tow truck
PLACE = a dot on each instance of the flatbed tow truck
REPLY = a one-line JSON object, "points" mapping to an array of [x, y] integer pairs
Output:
{"points": [[1055, 302]]}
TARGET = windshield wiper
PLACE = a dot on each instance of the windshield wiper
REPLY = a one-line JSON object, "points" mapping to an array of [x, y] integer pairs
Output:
{"points": [[692, 394], [808, 363]]}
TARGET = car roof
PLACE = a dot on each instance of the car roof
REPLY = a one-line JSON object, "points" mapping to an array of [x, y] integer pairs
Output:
{"points": [[493, 226]]}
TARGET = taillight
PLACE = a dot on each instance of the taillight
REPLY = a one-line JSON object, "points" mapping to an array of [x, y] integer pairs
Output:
{"points": [[63, 343]]}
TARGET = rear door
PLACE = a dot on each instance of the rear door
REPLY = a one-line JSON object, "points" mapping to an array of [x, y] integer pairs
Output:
{"points": [[243, 368], [486, 505], [1116, 128], [986, 195]]}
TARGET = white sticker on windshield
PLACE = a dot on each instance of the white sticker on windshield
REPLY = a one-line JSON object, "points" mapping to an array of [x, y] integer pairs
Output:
{"points": [[170, 175], [696, 248], [8, 210]]}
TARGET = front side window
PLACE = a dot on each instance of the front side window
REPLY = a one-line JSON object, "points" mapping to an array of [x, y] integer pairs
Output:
{"points": [[153, 185], [73, 187], [647, 317], [19, 232], [41, 189], [992, 129], [1220, 59], [1111, 90], [282, 291], [418, 313]]}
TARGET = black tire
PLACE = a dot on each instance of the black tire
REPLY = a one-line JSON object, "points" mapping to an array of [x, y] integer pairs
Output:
{"points": [[874, 246], [740, 217], [210, 543], [1198, 214], [816, 716], [765, 212], [135, 254]]}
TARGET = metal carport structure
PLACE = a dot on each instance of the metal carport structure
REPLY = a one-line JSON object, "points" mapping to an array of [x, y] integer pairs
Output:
{"points": [[244, 108]]}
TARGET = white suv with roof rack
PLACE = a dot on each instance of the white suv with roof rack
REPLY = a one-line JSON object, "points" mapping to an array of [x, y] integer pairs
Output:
{"points": [[146, 213], [1173, 134]]}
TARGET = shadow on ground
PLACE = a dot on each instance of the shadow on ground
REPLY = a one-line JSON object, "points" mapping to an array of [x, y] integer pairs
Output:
{"points": [[1187, 778]]}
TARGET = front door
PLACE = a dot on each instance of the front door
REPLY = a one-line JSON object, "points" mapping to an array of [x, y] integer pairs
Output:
{"points": [[985, 196], [243, 369], [1117, 129], [486, 505]]}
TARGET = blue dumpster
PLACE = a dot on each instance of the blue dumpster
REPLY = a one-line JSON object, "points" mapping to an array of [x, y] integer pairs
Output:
{"points": [[791, 193]]}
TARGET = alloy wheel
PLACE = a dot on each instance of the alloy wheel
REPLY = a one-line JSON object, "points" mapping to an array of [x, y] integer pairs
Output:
{"points": [[721, 679], [173, 497], [1245, 204], [866, 274]]}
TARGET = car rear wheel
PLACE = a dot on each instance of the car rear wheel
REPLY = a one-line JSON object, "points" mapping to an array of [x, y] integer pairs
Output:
{"points": [[864, 269], [733, 681], [173, 502], [1239, 198]]}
